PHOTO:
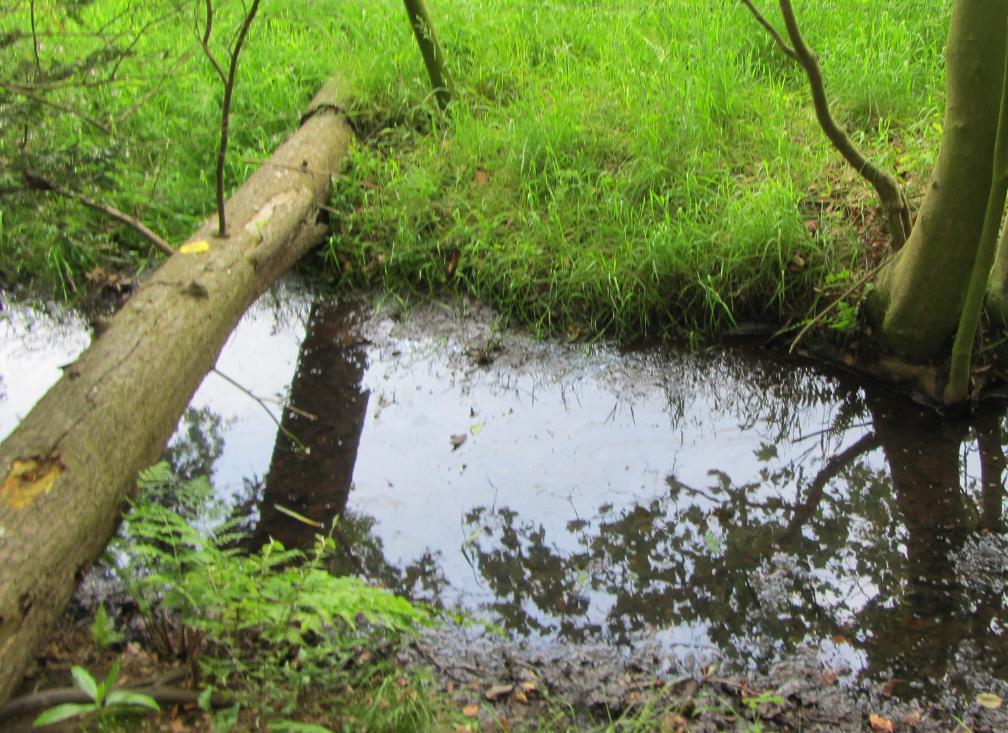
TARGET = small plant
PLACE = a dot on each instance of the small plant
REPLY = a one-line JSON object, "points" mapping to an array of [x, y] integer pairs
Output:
{"points": [[104, 699], [103, 631], [266, 621]]}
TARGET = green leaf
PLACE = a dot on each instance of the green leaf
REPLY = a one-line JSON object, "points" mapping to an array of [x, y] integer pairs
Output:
{"points": [[63, 712], [85, 682], [291, 726], [203, 701], [109, 682], [125, 697]]}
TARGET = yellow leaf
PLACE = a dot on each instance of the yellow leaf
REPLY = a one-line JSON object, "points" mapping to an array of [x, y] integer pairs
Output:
{"points": [[29, 479], [194, 248], [470, 711], [989, 700]]}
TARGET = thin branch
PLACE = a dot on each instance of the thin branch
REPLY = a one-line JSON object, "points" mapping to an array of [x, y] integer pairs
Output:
{"points": [[205, 41], [894, 201], [30, 94], [774, 34], [34, 34], [37, 182], [229, 85], [262, 403], [48, 698], [859, 283], [888, 189]]}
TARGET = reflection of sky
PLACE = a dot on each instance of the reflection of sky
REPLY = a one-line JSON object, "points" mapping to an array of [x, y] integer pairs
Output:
{"points": [[33, 346]]}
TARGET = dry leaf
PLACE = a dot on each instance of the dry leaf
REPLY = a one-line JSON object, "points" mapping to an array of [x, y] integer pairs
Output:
{"points": [[458, 440], [912, 719], [481, 177], [880, 724], [496, 692], [194, 248], [520, 697], [989, 700], [471, 711]]}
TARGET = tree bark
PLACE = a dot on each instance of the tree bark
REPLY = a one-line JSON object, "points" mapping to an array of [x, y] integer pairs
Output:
{"points": [[918, 298], [69, 465]]}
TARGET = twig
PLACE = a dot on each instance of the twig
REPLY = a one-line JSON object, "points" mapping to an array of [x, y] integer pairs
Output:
{"points": [[37, 182], [894, 201], [229, 85], [777, 37], [262, 403], [29, 94], [870, 275], [34, 34], [164, 695]]}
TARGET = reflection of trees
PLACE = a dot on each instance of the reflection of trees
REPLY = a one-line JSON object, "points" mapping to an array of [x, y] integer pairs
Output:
{"points": [[197, 444], [878, 559], [313, 479]]}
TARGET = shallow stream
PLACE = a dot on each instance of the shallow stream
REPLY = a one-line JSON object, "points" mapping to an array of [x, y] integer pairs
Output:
{"points": [[726, 503]]}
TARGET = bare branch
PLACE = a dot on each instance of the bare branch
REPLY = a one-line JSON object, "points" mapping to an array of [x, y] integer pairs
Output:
{"points": [[890, 193], [36, 182], [229, 84], [777, 37], [28, 93], [888, 189], [205, 41]]}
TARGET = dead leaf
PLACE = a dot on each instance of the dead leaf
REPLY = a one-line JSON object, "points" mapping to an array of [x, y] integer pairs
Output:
{"points": [[528, 687], [827, 678], [880, 724], [521, 697], [481, 177], [912, 719], [797, 263], [195, 248], [471, 711], [496, 692], [888, 687], [458, 440], [453, 263], [30, 478], [989, 700]]}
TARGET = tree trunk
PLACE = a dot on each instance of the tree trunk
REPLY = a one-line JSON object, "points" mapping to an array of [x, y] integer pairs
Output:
{"points": [[69, 465], [918, 297]]}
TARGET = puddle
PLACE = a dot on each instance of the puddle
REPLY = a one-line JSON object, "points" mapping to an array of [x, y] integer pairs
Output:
{"points": [[724, 505]]}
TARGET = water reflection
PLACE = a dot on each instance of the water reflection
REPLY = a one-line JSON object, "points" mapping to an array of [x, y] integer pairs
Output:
{"points": [[733, 505]]}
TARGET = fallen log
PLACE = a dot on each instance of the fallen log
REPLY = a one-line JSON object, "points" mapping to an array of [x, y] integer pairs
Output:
{"points": [[70, 464]]}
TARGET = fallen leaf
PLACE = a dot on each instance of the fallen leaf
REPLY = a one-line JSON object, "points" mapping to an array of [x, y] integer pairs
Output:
{"points": [[888, 687], [481, 177], [827, 678], [194, 248], [521, 697], [496, 692], [458, 440], [475, 428], [989, 700], [912, 719], [797, 263], [471, 711], [880, 724]]}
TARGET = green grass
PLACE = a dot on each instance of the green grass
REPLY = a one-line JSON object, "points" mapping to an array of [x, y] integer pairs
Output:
{"points": [[608, 167]]}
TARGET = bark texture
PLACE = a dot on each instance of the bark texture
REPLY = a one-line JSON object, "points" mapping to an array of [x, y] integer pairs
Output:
{"points": [[919, 296], [68, 467]]}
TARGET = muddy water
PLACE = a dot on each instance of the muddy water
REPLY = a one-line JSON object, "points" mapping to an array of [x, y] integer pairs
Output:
{"points": [[727, 504]]}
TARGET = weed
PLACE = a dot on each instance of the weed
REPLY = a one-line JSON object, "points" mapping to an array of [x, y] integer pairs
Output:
{"points": [[105, 700]]}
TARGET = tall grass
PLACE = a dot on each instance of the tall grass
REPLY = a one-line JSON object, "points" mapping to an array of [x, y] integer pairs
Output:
{"points": [[608, 167]]}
